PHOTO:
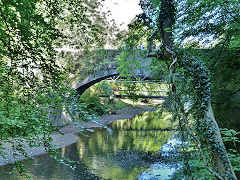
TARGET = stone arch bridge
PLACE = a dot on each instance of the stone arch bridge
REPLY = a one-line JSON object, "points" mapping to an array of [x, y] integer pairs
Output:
{"points": [[110, 70]]}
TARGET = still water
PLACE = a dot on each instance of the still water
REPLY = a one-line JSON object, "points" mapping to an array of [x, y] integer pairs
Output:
{"points": [[123, 153]]}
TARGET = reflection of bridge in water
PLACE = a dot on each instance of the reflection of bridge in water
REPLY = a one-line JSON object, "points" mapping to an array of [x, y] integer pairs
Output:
{"points": [[109, 71]]}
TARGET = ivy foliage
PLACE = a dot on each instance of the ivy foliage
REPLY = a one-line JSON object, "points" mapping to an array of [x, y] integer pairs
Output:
{"points": [[193, 81]]}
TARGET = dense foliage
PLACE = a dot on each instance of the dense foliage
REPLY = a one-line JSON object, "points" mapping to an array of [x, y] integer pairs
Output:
{"points": [[33, 91]]}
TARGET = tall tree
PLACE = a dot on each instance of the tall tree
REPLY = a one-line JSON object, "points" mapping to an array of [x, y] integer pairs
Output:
{"points": [[200, 100], [188, 77]]}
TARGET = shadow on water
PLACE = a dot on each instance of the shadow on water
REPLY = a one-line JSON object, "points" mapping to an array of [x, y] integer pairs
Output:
{"points": [[122, 154]]}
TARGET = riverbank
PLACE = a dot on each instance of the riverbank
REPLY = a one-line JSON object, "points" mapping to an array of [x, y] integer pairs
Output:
{"points": [[126, 113], [69, 133]]}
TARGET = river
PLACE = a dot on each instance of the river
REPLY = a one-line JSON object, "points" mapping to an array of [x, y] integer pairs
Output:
{"points": [[127, 149]]}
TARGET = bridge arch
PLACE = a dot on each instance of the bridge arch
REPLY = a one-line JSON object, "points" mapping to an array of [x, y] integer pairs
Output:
{"points": [[93, 79], [86, 83]]}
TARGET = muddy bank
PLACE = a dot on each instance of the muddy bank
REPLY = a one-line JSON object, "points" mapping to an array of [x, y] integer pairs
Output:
{"points": [[69, 132]]}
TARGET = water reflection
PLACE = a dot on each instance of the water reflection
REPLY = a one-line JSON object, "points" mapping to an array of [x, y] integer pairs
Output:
{"points": [[123, 154], [158, 120]]}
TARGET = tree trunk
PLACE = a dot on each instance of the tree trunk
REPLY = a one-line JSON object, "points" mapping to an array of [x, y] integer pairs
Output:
{"points": [[219, 157]]}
